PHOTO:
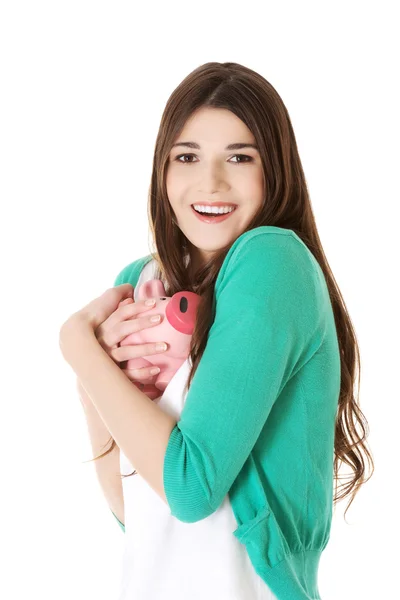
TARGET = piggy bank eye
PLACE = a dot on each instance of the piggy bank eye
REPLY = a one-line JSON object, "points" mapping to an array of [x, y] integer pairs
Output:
{"points": [[163, 298]]}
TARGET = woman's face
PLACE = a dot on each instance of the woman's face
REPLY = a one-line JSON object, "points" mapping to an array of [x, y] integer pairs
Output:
{"points": [[212, 174]]}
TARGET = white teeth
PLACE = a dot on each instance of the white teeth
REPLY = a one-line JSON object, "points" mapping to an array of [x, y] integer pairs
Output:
{"points": [[213, 209]]}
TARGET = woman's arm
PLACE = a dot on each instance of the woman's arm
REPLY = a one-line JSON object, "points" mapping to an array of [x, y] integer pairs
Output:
{"points": [[107, 467]]}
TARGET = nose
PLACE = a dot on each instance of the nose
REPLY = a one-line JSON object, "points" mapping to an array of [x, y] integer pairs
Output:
{"points": [[181, 311], [213, 179]]}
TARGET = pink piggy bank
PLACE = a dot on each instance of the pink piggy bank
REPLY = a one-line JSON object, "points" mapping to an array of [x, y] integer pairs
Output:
{"points": [[178, 318]]}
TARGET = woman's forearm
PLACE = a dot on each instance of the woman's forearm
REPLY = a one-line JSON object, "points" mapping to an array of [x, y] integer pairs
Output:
{"points": [[107, 467], [140, 427]]}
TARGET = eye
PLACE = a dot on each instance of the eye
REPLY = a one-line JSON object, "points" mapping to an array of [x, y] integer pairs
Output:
{"points": [[244, 156], [180, 156], [249, 158]]}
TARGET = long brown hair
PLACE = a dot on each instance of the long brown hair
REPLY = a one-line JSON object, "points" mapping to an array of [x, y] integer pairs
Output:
{"points": [[286, 204]]}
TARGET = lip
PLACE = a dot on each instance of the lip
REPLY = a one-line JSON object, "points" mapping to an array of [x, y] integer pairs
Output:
{"points": [[213, 220]]}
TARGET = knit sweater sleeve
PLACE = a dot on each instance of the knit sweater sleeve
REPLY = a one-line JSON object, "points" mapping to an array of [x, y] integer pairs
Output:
{"points": [[267, 325]]}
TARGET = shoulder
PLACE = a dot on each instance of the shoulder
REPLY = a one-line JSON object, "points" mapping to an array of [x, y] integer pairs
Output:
{"points": [[272, 265], [131, 272], [267, 249]]}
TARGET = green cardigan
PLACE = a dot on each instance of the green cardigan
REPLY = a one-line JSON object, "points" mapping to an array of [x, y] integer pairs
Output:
{"points": [[259, 418]]}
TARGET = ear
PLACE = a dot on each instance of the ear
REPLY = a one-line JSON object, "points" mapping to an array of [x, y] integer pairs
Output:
{"points": [[154, 288]]}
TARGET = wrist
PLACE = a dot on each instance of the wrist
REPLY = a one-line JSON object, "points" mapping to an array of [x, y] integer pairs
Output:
{"points": [[76, 326]]}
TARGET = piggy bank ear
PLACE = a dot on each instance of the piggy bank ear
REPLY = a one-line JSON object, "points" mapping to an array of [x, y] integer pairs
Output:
{"points": [[154, 288]]}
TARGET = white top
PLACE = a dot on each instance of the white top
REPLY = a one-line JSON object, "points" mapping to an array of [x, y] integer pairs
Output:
{"points": [[166, 559]]}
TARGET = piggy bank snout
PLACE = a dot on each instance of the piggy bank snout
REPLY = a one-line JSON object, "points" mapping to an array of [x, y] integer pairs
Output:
{"points": [[181, 311]]}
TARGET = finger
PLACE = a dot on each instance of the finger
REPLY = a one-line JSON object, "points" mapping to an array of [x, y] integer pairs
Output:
{"points": [[98, 311], [113, 319], [126, 301], [125, 328], [142, 374], [120, 292], [151, 392], [113, 337], [125, 312], [129, 351], [109, 335]]}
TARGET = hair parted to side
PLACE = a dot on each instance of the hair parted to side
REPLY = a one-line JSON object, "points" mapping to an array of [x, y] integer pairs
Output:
{"points": [[287, 204]]}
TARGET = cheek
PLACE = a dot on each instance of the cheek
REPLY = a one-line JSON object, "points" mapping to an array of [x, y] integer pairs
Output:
{"points": [[174, 183], [252, 187], [258, 186]]}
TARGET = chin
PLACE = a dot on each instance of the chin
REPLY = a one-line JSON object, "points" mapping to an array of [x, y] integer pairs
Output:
{"points": [[205, 245]]}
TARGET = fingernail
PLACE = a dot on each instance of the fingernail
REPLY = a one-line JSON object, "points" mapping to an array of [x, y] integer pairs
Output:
{"points": [[161, 346], [150, 301], [154, 370]]}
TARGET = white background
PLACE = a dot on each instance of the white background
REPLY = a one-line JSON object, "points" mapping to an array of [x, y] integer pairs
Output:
{"points": [[83, 87]]}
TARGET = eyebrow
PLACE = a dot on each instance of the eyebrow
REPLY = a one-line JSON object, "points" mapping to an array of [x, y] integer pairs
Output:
{"points": [[236, 146]]}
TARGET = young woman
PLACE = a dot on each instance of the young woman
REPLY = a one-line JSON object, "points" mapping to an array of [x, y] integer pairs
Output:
{"points": [[231, 494]]}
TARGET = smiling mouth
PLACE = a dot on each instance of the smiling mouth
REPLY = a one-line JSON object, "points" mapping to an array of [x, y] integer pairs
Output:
{"points": [[213, 214], [212, 219]]}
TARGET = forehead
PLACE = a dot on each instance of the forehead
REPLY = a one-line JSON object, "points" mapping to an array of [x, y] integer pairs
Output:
{"points": [[215, 126]]}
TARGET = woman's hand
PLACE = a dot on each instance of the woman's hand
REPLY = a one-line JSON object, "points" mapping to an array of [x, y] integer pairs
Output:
{"points": [[121, 323], [93, 314]]}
